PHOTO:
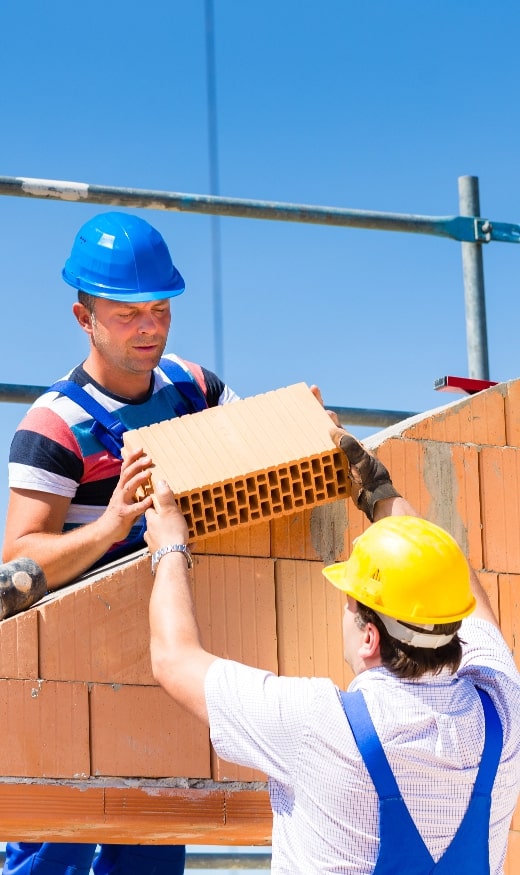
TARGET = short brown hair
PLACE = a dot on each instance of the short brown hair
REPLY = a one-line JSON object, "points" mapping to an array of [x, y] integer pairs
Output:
{"points": [[409, 662], [88, 301]]}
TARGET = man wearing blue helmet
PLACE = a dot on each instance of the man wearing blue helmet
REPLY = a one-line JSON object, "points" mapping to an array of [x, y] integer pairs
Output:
{"points": [[71, 503]]}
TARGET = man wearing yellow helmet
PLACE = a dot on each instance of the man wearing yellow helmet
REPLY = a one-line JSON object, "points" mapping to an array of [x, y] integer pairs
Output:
{"points": [[416, 769]]}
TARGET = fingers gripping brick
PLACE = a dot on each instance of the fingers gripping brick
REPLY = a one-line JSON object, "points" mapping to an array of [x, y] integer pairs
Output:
{"points": [[371, 481]]}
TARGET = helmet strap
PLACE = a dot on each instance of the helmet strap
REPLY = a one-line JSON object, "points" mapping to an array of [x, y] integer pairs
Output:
{"points": [[415, 636]]}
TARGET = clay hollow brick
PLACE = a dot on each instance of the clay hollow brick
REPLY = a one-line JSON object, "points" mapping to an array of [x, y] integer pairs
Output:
{"points": [[250, 461]]}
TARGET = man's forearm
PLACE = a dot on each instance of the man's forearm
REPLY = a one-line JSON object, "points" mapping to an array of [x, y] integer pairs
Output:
{"points": [[483, 608], [395, 506], [35, 523], [179, 662], [62, 557]]}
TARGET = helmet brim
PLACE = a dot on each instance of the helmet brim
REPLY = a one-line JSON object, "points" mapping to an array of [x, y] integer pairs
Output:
{"points": [[124, 295]]}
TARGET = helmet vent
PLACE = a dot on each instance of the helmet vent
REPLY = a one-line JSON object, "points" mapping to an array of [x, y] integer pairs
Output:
{"points": [[376, 574]]}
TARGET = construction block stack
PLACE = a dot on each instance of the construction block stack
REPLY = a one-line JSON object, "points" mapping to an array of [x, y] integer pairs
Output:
{"points": [[96, 749]]}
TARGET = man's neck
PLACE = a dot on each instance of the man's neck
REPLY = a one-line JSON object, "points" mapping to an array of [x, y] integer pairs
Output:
{"points": [[132, 386]]}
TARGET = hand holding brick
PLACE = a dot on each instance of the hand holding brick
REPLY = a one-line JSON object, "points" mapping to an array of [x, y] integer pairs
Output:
{"points": [[246, 462], [370, 479]]}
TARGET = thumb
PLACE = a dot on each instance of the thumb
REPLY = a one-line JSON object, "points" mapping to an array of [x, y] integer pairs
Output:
{"points": [[162, 495], [336, 433], [316, 391]]}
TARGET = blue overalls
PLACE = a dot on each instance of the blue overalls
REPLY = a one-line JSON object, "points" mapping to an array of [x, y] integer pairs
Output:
{"points": [[58, 858], [68, 858], [402, 850]]}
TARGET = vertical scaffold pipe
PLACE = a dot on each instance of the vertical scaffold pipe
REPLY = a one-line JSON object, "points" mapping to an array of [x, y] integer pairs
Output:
{"points": [[473, 273]]}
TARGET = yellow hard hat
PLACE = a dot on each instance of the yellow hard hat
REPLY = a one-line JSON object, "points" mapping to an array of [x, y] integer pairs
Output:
{"points": [[409, 569]]}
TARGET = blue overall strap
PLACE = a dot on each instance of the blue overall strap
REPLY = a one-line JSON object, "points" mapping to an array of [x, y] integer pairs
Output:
{"points": [[468, 853], [370, 747], [186, 385], [402, 850], [107, 428], [493, 744]]}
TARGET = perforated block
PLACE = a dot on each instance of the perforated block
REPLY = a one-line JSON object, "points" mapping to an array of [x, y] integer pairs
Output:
{"points": [[253, 460]]}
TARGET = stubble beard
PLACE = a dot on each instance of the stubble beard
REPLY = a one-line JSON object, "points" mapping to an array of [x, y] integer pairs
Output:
{"points": [[127, 360]]}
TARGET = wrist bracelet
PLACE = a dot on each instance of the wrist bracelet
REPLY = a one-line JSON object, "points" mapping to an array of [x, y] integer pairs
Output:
{"points": [[171, 548]]}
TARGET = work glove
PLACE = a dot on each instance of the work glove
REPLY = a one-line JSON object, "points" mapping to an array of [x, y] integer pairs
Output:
{"points": [[22, 583], [370, 479]]}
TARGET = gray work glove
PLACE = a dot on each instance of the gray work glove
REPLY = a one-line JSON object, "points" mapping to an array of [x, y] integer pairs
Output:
{"points": [[22, 583], [371, 481]]}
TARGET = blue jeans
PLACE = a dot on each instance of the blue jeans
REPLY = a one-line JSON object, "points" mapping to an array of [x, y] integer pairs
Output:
{"points": [[54, 858]]}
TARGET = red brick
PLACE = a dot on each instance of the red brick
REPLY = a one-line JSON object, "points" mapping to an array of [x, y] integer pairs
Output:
{"points": [[500, 503], [490, 584], [149, 813], [99, 631], [319, 533], [441, 481], [479, 419], [39, 812], [19, 646], [512, 865], [141, 731], [235, 607], [512, 413], [509, 607], [252, 540], [47, 726], [310, 613]]}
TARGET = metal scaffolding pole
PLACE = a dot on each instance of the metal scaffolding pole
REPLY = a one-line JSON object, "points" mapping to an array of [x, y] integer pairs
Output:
{"points": [[18, 394], [473, 272], [468, 228], [461, 228]]}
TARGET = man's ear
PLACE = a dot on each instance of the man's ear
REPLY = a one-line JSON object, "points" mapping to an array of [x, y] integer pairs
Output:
{"points": [[83, 316], [369, 647]]}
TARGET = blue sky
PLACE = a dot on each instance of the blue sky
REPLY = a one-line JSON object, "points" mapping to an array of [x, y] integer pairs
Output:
{"points": [[363, 105]]}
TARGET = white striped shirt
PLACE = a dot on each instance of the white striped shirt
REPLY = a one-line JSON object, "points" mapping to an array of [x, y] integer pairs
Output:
{"points": [[324, 803]]}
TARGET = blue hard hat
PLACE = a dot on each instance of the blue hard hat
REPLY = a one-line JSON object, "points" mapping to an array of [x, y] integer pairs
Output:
{"points": [[123, 258]]}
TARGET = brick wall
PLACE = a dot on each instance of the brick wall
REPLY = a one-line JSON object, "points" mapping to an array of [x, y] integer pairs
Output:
{"points": [[96, 749]]}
